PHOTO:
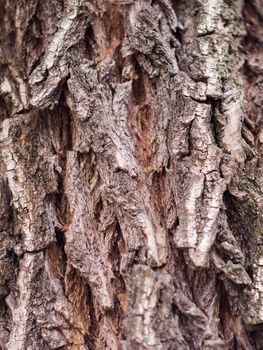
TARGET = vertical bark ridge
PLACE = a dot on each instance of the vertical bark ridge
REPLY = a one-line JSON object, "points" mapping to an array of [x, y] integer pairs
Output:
{"points": [[130, 179]]}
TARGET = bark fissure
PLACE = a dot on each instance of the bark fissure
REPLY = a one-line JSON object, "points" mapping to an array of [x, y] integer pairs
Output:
{"points": [[131, 174]]}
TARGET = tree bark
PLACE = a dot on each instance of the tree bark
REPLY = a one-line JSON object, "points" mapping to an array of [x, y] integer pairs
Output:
{"points": [[131, 186]]}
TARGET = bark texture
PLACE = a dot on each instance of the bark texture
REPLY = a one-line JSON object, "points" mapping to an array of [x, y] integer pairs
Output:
{"points": [[131, 187]]}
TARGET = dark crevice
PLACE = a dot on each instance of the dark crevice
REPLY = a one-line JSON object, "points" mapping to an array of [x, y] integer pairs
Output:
{"points": [[224, 312], [214, 123], [93, 332], [158, 192], [5, 109], [253, 22], [36, 63], [115, 253], [241, 222], [89, 40], [98, 209], [250, 272], [256, 335], [189, 139], [138, 88], [60, 238], [6, 318], [180, 51], [252, 75]]}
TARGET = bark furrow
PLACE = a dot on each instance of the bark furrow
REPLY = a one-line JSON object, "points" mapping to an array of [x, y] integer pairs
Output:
{"points": [[131, 192]]}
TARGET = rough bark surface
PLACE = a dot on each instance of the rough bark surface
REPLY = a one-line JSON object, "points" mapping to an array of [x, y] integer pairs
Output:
{"points": [[131, 174]]}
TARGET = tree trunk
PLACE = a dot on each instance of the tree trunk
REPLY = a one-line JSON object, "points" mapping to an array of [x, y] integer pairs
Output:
{"points": [[131, 174]]}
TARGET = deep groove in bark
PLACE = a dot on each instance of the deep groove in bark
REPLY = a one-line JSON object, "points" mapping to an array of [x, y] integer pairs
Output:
{"points": [[130, 206]]}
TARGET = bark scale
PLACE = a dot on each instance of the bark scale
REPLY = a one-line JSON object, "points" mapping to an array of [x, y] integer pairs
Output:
{"points": [[131, 174]]}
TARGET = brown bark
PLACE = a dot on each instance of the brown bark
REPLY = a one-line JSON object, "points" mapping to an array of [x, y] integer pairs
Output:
{"points": [[131, 174]]}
